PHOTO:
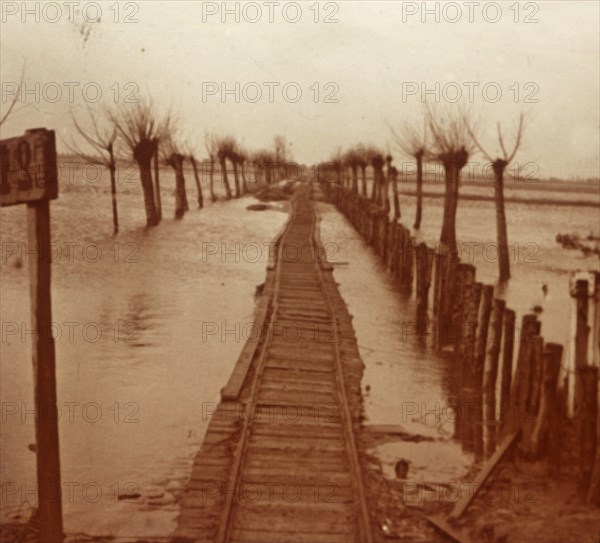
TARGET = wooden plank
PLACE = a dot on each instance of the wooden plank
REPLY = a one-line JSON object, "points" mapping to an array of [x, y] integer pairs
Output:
{"points": [[461, 506]]}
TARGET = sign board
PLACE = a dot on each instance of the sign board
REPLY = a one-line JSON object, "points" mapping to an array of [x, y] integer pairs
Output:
{"points": [[29, 176], [28, 168]]}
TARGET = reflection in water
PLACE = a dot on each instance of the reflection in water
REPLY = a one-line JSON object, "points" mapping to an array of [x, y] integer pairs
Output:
{"points": [[408, 383], [135, 374]]}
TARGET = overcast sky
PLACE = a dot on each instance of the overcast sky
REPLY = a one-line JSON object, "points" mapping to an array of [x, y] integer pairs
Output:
{"points": [[359, 70]]}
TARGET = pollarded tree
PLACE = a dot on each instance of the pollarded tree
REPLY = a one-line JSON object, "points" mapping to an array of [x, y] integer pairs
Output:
{"points": [[264, 160], [212, 149], [100, 136], [190, 154], [280, 145], [173, 154], [498, 166], [351, 160], [226, 148], [241, 156], [451, 145], [140, 126], [377, 161], [413, 143]]}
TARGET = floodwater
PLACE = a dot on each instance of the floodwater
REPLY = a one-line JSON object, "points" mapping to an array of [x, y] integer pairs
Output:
{"points": [[145, 339], [409, 385], [148, 333]]}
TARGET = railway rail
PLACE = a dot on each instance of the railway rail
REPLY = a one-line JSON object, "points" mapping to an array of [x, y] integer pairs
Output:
{"points": [[288, 470]]}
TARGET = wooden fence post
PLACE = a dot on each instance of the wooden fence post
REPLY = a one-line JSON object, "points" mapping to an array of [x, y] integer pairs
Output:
{"points": [[490, 376], [545, 434], [588, 413], [530, 328], [508, 345], [581, 337]]}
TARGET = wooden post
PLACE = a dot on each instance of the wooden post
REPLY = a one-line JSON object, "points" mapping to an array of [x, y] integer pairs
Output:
{"points": [[508, 345], [428, 271], [436, 284], [409, 262], [531, 393], [596, 330], [483, 296], [544, 433], [465, 351], [581, 336], [44, 375], [558, 418], [29, 175], [490, 375], [588, 413], [530, 328]]}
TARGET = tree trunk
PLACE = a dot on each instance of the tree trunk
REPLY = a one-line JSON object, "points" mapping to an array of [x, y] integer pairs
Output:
{"points": [[148, 189], [113, 193], [142, 154], [501, 233], [211, 179], [198, 184], [236, 179], [419, 157], [386, 187], [452, 178], [113, 189], [181, 205], [355, 178], [374, 188], [225, 180], [244, 185], [394, 180], [363, 169], [157, 183]]}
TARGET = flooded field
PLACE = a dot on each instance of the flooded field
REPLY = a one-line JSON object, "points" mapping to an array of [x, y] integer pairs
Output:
{"points": [[141, 345], [150, 323]]}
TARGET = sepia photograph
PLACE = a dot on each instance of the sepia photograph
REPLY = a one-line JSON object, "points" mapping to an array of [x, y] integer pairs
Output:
{"points": [[300, 271]]}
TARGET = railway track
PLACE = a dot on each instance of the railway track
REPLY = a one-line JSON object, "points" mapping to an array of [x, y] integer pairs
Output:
{"points": [[295, 475], [303, 452]]}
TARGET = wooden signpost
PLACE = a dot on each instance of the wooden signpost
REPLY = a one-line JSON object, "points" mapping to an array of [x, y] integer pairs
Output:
{"points": [[29, 176]]}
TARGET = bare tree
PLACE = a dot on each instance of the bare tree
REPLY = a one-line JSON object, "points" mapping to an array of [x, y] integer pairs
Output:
{"points": [[265, 161], [377, 162], [351, 160], [100, 137], [364, 158], [387, 182], [451, 145], [393, 174], [210, 144], [413, 143], [189, 150], [157, 195], [498, 166], [140, 127], [280, 155], [242, 157], [225, 146], [234, 157], [174, 156]]}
